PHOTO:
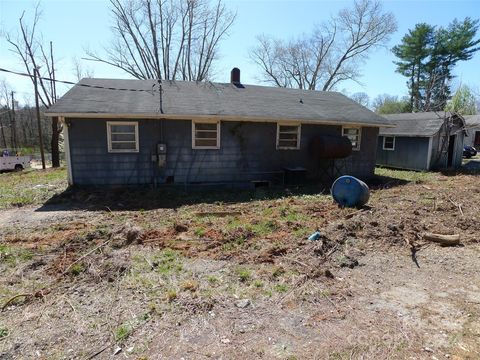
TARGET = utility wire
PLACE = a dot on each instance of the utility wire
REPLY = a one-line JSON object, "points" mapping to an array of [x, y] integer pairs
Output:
{"points": [[77, 84]]}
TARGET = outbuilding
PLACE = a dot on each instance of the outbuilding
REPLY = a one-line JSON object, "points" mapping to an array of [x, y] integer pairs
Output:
{"points": [[422, 141], [473, 127], [135, 132]]}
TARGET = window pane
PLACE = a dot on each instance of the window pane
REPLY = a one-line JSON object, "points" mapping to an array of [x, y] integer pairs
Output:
{"points": [[287, 143], [123, 146], [123, 137], [288, 129], [288, 136], [206, 142], [203, 126], [388, 143], [122, 128], [350, 131], [205, 135]]}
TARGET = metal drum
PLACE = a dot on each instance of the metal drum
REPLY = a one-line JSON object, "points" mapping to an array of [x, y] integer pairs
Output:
{"points": [[348, 191]]}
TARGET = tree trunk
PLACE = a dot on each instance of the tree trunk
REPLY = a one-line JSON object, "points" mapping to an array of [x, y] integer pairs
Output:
{"points": [[3, 134], [54, 143]]}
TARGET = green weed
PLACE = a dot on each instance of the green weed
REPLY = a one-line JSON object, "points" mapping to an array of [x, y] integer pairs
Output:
{"points": [[281, 288], [199, 232], [123, 332], [243, 274], [212, 279], [77, 269], [258, 283]]}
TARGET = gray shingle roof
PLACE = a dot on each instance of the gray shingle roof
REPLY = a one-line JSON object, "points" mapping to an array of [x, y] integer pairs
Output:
{"points": [[190, 99], [413, 124], [472, 120]]}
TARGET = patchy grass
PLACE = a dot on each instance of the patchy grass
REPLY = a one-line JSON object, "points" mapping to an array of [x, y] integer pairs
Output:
{"points": [[30, 187], [124, 331], [405, 175], [14, 255]]}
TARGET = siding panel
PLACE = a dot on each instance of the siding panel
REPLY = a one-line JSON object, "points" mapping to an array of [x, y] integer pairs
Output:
{"points": [[247, 152], [410, 153]]}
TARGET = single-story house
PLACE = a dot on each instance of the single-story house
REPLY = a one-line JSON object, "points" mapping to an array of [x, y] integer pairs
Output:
{"points": [[422, 141], [121, 132], [473, 128]]}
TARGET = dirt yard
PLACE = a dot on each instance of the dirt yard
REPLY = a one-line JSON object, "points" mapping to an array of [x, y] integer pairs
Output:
{"points": [[167, 274]]}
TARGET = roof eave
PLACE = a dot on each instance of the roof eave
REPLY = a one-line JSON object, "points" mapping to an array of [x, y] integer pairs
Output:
{"points": [[219, 117]]}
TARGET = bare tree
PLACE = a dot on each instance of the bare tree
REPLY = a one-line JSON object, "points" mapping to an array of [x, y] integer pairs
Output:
{"points": [[37, 58], [361, 98], [5, 111], [166, 39], [80, 70], [331, 54]]}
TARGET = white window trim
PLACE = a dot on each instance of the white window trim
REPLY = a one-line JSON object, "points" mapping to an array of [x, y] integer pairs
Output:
{"points": [[359, 144], [299, 136], [206, 122], [109, 136], [387, 149]]}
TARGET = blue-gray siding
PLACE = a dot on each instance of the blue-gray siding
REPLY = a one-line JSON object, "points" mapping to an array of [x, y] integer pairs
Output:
{"points": [[410, 153], [247, 152]]}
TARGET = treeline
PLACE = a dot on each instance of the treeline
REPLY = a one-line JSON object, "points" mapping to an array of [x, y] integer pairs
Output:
{"points": [[19, 130]]}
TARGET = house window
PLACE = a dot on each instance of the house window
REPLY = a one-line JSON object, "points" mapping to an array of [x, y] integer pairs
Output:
{"points": [[353, 134], [389, 143], [205, 135], [122, 136], [288, 137]]}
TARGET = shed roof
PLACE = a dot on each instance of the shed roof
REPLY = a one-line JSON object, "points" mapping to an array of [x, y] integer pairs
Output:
{"points": [[472, 120], [184, 99], [424, 124]]}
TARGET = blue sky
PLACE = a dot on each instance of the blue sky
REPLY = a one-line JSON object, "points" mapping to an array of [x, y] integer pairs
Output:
{"points": [[74, 25]]}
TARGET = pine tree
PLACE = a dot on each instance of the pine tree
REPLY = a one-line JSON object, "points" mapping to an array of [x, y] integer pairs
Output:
{"points": [[416, 46], [428, 55]]}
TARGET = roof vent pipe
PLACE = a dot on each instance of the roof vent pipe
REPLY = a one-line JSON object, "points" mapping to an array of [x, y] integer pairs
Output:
{"points": [[235, 76]]}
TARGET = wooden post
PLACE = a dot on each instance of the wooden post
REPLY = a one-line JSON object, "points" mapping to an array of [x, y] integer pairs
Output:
{"points": [[38, 117]]}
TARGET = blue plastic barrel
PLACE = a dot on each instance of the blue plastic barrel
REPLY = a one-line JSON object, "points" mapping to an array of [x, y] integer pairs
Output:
{"points": [[348, 191]]}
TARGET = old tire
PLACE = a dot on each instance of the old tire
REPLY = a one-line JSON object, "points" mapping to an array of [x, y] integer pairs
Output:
{"points": [[18, 167]]}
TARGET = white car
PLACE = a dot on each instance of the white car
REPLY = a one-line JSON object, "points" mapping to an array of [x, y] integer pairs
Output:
{"points": [[13, 162]]}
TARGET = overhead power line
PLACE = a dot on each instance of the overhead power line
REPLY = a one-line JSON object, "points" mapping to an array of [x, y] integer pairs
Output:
{"points": [[77, 84]]}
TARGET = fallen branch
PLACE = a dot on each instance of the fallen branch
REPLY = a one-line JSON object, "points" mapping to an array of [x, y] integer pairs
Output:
{"points": [[38, 294], [85, 255], [444, 240], [9, 301], [459, 206], [98, 352]]}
